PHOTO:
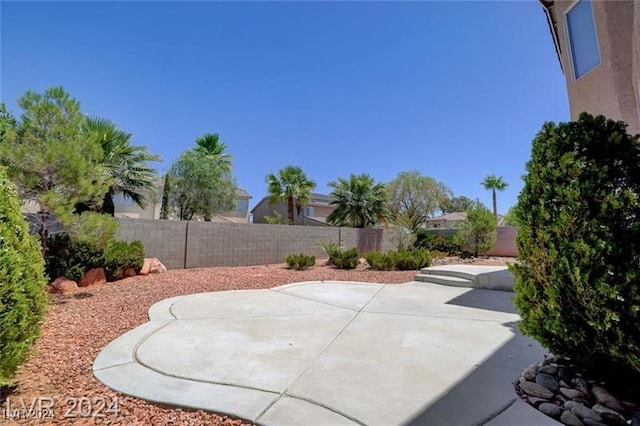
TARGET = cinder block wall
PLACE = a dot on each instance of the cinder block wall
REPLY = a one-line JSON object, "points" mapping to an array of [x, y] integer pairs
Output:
{"points": [[230, 244], [190, 244], [164, 239], [505, 244]]}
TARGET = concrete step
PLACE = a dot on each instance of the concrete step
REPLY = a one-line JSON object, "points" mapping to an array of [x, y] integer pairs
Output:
{"points": [[445, 280], [450, 273], [479, 276]]}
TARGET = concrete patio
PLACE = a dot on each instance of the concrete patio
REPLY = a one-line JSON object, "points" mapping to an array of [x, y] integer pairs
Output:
{"points": [[331, 353]]}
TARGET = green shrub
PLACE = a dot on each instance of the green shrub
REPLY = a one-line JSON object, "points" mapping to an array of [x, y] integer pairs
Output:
{"points": [[346, 259], [70, 258], [411, 260], [121, 255], [436, 254], [93, 228], [577, 280], [442, 243], [379, 261], [331, 249], [478, 233], [23, 298], [300, 261]]}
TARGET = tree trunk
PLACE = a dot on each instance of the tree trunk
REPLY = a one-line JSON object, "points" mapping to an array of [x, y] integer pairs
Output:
{"points": [[290, 211], [44, 233], [495, 205], [107, 204]]}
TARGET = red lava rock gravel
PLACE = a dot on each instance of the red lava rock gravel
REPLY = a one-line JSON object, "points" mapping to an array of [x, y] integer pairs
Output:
{"points": [[78, 326]]}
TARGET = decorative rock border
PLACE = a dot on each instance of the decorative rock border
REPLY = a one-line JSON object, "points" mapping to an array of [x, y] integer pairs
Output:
{"points": [[555, 388]]}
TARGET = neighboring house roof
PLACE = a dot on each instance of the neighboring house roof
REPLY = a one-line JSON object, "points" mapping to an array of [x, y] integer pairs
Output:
{"points": [[459, 216], [455, 216], [228, 219], [322, 220], [242, 193], [319, 198], [315, 199]]}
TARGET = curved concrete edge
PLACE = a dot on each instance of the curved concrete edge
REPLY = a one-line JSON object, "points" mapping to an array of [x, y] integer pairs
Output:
{"points": [[294, 411], [521, 413], [284, 286], [303, 283], [162, 310], [140, 382], [121, 350]]}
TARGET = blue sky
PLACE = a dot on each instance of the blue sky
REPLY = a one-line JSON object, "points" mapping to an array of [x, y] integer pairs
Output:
{"points": [[454, 89]]}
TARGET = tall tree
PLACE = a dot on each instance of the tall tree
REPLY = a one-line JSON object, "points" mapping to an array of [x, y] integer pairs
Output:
{"points": [[166, 196], [199, 186], [49, 158], [413, 198], [291, 186], [455, 204], [494, 183], [478, 232], [360, 202], [126, 164], [214, 149]]}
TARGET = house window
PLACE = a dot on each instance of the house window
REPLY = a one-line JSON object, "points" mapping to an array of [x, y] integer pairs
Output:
{"points": [[241, 206], [308, 211], [121, 200], [582, 38]]}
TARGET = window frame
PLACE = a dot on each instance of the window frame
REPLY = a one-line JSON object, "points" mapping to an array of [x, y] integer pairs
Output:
{"points": [[569, 44], [245, 205]]}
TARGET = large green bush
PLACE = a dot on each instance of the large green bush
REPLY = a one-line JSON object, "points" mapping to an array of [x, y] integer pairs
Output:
{"points": [[403, 260], [23, 298], [578, 275], [121, 255], [478, 233], [442, 243], [67, 257], [411, 260]]}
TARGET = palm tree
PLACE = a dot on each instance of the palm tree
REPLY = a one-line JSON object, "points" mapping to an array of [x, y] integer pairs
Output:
{"points": [[494, 183], [359, 201], [125, 163], [290, 186], [213, 148]]}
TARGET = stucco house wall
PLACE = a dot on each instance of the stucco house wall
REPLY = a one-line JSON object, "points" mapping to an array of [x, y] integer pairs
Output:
{"points": [[612, 87]]}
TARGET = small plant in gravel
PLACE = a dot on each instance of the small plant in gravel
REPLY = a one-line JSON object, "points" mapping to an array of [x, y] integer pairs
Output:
{"points": [[22, 284], [410, 260], [121, 255], [379, 261], [300, 261], [346, 259], [331, 249]]}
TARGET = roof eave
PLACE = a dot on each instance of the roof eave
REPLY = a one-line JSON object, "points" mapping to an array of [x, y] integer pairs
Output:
{"points": [[553, 28]]}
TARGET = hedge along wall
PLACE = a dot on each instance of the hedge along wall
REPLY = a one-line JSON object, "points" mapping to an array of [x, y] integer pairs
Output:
{"points": [[191, 244], [505, 244]]}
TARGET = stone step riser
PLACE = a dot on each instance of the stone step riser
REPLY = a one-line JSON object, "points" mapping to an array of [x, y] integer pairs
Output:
{"points": [[443, 280], [456, 274]]}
